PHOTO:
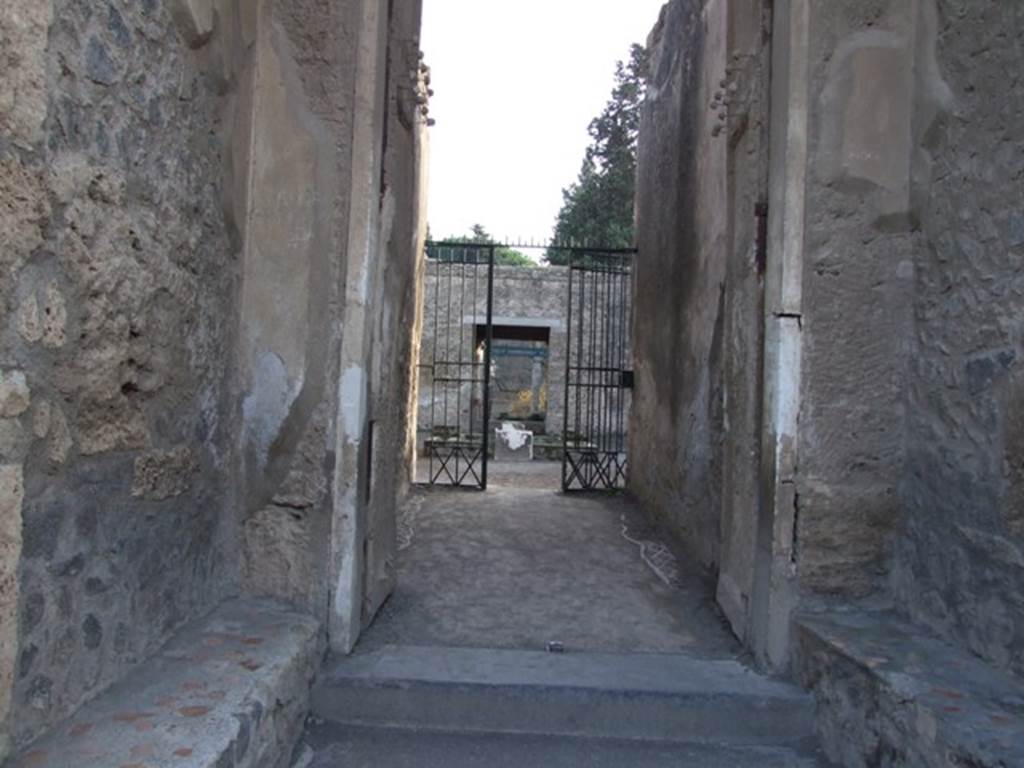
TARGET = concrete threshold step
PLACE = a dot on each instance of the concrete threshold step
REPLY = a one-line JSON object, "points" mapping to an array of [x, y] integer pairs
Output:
{"points": [[655, 697], [889, 693], [330, 745], [230, 689]]}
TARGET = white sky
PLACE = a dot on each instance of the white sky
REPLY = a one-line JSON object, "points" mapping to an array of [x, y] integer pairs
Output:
{"points": [[515, 86]]}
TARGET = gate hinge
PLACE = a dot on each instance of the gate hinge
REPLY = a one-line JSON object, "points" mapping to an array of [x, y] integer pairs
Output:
{"points": [[627, 380]]}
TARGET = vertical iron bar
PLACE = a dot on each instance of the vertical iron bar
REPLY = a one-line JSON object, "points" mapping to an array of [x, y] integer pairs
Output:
{"points": [[447, 352], [626, 293], [487, 366], [565, 401], [595, 302], [621, 361], [433, 367], [472, 356], [616, 377], [605, 333], [578, 426], [460, 352]]}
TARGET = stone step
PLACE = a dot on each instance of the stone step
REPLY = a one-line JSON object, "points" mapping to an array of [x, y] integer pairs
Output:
{"points": [[888, 691], [329, 745], [654, 697], [229, 689]]}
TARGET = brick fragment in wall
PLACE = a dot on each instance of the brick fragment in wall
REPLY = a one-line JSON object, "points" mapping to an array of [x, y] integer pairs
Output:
{"points": [[111, 425], [162, 475]]}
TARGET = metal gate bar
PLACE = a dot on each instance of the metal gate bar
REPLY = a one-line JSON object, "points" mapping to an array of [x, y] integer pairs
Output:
{"points": [[599, 376], [460, 278]]}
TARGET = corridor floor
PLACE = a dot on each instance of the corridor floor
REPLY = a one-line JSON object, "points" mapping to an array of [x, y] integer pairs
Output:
{"points": [[522, 565]]}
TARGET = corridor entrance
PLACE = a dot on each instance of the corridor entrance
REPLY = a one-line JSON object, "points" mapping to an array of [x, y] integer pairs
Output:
{"points": [[522, 363]]}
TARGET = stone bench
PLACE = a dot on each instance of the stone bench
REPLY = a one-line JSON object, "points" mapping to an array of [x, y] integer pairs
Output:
{"points": [[230, 690], [888, 694]]}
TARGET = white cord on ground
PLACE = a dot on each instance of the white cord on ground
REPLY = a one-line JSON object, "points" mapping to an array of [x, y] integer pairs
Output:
{"points": [[406, 518], [660, 552]]}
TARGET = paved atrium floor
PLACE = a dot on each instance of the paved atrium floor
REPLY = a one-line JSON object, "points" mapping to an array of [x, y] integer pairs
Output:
{"points": [[522, 565]]}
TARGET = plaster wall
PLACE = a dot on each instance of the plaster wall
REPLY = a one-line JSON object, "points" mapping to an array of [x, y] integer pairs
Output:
{"points": [[745, 98], [334, 129], [296, 200], [683, 240], [399, 275]]}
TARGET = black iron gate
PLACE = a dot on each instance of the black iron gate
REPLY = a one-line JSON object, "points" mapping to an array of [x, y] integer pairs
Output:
{"points": [[599, 370], [456, 364]]}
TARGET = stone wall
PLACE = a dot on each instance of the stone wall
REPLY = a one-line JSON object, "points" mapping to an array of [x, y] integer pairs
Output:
{"points": [[119, 277], [868, 64], [208, 235], [959, 561], [909, 479]]}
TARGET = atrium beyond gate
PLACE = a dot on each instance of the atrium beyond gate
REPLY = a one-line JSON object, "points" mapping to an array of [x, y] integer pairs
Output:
{"points": [[541, 354]]}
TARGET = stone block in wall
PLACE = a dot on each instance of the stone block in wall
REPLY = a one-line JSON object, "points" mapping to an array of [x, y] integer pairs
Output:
{"points": [[23, 28], [23, 216], [1013, 454], [867, 108], [44, 321], [14, 394], [277, 554], [882, 93], [60, 440], [194, 19], [11, 495], [111, 425]]}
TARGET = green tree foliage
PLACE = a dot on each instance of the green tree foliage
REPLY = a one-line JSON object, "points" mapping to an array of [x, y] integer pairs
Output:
{"points": [[597, 210], [507, 257]]}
